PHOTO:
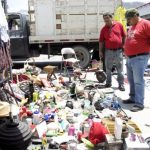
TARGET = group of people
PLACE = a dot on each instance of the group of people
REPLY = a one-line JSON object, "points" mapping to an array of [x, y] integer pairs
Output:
{"points": [[135, 45]]}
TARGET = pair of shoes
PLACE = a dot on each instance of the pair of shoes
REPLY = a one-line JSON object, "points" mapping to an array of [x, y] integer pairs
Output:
{"points": [[107, 85], [121, 87], [128, 101], [137, 108]]}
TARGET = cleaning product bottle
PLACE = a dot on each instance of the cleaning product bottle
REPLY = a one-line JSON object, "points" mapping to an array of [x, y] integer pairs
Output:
{"points": [[36, 117], [118, 128]]}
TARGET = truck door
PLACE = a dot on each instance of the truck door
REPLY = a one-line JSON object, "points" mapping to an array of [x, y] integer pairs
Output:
{"points": [[18, 36]]}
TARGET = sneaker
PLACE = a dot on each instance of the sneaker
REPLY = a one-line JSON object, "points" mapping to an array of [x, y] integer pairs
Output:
{"points": [[137, 108], [128, 101], [121, 87], [107, 85]]}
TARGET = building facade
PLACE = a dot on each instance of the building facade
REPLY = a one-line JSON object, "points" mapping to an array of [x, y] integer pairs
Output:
{"points": [[144, 11]]}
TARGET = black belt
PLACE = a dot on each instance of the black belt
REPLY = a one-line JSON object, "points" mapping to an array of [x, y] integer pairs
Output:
{"points": [[138, 55], [114, 49]]}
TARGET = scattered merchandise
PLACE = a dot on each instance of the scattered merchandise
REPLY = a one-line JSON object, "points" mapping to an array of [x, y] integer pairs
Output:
{"points": [[75, 115]]}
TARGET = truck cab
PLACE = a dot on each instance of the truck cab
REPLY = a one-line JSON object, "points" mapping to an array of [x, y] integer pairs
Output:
{"points": [[19, 35]]}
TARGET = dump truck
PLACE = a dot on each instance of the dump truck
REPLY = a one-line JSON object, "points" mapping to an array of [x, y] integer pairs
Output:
{"points": [[54, 24]]}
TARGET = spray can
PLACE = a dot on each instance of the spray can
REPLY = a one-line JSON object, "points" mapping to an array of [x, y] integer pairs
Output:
{"points": [[71, 130]]}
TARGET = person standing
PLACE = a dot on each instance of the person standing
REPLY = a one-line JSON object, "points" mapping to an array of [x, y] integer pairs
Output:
{"points": [[112, 37], [137, 48], [5, 58]]}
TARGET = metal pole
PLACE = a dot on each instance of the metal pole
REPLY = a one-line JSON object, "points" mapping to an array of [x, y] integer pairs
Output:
{"points": [[49, 50]]}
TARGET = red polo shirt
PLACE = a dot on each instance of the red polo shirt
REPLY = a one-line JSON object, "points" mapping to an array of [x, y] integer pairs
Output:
{"points": [[112, 36], [138, 38]]}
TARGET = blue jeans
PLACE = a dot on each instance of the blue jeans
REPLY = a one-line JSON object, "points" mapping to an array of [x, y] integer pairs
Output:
{"points": [[135, 73], [111, 58]]}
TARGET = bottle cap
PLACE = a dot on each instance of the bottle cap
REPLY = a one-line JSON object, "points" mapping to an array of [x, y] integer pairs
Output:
{"points": [[36, 112]]}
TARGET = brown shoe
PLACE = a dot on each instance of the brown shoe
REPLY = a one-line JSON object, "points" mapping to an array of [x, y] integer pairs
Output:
{"points": [[128, 101]]}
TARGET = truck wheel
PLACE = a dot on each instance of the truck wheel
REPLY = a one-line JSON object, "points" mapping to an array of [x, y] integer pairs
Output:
{"points": [[83, 55]]}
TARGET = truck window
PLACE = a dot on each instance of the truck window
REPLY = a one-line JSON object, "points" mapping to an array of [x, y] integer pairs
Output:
{"points": [[14, 24]]}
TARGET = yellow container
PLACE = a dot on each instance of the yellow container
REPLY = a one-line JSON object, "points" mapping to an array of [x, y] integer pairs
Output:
{"points": [[35, 96]]}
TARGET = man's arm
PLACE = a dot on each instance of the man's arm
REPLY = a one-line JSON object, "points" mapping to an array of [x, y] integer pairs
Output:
{"points": [[123, 36], [123, 41], [101, 49]]}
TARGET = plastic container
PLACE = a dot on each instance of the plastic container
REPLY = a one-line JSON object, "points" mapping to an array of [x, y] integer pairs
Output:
{"points": [[36, 117], [35, 96], [118, 128]]}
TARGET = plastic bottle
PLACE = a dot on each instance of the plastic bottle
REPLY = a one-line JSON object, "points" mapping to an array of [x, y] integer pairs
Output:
{"points": [[31, 90], [118, 128], [36, 117], [35, 96]]}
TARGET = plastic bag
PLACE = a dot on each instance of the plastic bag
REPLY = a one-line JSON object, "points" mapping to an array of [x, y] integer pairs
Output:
{"points": [[97, 64]]}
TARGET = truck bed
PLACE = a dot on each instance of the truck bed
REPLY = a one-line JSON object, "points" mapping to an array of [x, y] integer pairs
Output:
{"points": [[67, 20]]}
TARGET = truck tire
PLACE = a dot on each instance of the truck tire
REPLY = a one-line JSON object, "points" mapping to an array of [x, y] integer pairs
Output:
{"points": [[83, 55]]}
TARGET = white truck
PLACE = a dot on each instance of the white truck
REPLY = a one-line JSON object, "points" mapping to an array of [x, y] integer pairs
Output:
{"points": [[54, 24]]}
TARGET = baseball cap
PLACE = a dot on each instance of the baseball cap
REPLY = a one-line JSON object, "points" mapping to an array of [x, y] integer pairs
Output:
{"points": [[131, 13]]}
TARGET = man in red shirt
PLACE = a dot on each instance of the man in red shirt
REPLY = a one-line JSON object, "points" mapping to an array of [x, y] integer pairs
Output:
{"points": [[137, 48], [112, 37]]}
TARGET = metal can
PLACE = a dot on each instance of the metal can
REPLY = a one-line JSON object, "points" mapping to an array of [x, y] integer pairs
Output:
{"points": [[71, 130]]}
